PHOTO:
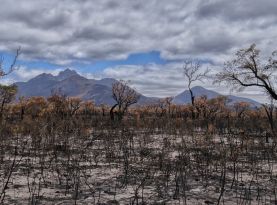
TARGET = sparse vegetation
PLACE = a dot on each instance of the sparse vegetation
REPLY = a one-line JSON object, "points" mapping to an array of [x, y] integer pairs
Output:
{"points": [[65, 150]]}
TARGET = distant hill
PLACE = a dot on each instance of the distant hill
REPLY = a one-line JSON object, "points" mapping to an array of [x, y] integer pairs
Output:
{"points": [[199, 91], [70, 83]]}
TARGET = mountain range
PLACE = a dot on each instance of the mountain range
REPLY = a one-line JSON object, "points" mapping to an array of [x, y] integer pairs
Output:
{"points": [[70, 83], [198, 91]]}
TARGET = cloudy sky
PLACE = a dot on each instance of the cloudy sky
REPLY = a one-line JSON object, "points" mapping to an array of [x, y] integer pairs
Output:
{"points": [[141, 41]]}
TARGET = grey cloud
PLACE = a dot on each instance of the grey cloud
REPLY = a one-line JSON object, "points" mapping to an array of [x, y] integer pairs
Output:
{"points": [[68, 30], [56, 29], [214, 42], [238, 10], [101, 33]]}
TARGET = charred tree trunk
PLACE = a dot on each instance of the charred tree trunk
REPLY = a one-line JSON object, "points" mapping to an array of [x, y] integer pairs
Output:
{"points": [[269, 113], [191, 96], [112, 112], [192, 102]]}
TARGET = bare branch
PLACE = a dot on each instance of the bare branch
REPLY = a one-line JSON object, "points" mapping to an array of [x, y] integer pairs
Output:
{"points": [[246, 70], [12, 66], [193, 73]]}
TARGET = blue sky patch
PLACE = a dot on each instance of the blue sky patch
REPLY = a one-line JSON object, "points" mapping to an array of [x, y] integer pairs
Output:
{"points": [[98, 66]]}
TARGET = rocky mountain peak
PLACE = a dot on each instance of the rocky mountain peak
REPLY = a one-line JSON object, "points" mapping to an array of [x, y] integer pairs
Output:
{"points": [[67, 73]]}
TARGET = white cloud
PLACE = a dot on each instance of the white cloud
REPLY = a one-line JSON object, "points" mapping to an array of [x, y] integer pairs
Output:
{"points": [[168, 80], [67, 30], [24, 74]]}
